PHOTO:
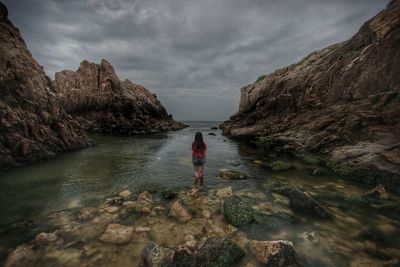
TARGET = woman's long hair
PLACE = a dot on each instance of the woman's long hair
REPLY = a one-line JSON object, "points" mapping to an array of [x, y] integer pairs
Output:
{"points": [[198, 141]]}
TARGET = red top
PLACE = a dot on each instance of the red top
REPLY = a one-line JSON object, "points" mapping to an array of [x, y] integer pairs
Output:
{"points": [[197, 152]]}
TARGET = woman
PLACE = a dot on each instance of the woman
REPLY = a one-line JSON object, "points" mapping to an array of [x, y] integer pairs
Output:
{"points": [[198, 157]]}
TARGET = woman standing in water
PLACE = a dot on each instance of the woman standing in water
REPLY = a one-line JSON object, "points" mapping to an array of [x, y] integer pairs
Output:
{"points": [[198, 157]]}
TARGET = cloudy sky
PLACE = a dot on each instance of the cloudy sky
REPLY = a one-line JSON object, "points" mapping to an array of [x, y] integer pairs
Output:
{"points": [[194, 54]]}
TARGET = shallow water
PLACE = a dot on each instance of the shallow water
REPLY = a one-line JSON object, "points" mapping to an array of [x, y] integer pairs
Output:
{"points": [[28, 195]]}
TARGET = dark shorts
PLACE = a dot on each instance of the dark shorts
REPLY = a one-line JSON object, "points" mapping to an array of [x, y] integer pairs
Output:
{"points": [[197, 161]]}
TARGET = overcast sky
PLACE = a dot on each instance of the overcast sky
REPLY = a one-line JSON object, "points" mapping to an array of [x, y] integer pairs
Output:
{"points": [[194, 54]]}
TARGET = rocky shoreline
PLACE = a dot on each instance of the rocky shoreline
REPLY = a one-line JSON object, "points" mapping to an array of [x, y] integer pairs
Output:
{"points": [[192, 227], [335, 104]]}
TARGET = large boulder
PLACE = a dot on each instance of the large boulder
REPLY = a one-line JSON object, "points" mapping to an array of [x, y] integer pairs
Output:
{"points": [[218, 252], [33, 124], [278, 253], [103, 103], [237, 211], [302, 201]]}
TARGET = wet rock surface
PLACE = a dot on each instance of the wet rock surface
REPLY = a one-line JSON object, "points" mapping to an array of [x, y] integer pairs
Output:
{"points": [[33, 124], [303, 202], [237, 211], [334, 104]]}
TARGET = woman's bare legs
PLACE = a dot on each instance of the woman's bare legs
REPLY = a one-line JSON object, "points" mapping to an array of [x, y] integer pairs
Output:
{"points": [[198, 174]]}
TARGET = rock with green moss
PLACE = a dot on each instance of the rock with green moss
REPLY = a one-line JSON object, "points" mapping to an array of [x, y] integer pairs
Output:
{"points": [[308, 158], [183, 258], [227, 174], [237, 211], [218, 252], [279, 166]]}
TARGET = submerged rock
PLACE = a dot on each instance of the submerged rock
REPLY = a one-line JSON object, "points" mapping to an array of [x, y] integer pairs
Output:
{"points": [[391, 210], [154, 255], [274, 220], [214, 128], [227, 174], [377, 192], [117, 234], [218, 252], [301, 201], [213, 134], [281, 166], [87, 213], [278, 253], [372, 233], [237, 212], [23, 255], [169, 193], [178, 211], [224, 192]]}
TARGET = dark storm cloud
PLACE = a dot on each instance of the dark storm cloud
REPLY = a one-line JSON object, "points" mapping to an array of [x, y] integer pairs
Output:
{"points": [[194, 54]]}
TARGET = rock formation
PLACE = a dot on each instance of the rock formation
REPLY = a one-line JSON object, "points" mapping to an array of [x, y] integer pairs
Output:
{"points": [[342, 102], [33, 125], [103, 103]]}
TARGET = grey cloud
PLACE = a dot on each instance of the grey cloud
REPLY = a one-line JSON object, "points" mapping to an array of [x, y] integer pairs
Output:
{"points": [[194, 54]]}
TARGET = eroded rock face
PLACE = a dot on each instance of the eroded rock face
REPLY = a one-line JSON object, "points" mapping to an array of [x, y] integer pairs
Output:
{"points": [[33, 125], [343, 101], [103, 103]]}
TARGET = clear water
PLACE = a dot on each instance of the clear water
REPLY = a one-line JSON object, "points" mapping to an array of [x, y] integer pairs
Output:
{"points": [[87, 177]]}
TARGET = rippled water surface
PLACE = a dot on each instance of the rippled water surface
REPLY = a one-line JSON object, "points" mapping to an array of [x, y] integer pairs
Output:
{"points": [[87, 177]]}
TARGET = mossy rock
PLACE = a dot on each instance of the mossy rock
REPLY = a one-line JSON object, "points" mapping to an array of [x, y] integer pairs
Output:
{"points": [[237, 212], [218, 252], [279, 166], [227, 174], [182, 258], [308, 158]]}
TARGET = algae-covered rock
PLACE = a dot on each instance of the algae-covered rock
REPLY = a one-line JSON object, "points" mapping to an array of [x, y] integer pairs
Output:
{"points": [[237, 212], [279, 166], [372, 233], [23, 255], [218, 252], [182, 258], [224, 192], [227, 174], [279, 253], [154, 255]]}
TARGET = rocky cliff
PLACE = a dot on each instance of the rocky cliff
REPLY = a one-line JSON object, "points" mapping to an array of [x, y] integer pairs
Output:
{"points": [[342, 102], [103, 103], [33, 125]]}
